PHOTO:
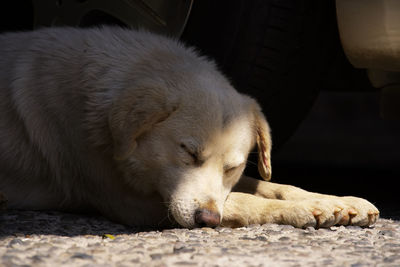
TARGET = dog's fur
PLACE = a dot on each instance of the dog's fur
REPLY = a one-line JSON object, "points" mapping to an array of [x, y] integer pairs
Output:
{"points": [[138, 127]]}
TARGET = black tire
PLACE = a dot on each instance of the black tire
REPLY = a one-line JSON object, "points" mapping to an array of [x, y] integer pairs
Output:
{"points": [[276, 51]]}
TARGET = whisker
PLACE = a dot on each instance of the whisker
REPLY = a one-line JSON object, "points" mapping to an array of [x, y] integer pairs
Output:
{"points": [[168, 214], [249, 161], [163, 219]]}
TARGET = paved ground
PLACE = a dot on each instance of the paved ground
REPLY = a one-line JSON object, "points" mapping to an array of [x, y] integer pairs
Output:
{"points": [[55, 239]]}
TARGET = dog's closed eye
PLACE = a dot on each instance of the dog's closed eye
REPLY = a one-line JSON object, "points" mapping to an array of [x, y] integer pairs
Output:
{"points": [[231, 169], [192, 153]]}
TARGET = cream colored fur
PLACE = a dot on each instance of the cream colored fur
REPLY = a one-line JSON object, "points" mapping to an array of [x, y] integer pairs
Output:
{"points": [[142, 129]]}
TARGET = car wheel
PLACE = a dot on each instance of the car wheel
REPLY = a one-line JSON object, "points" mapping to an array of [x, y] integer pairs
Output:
{"points": [[274, 50]]}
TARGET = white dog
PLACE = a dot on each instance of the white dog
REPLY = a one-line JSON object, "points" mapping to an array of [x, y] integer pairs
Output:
{"points": [[139, 127]]}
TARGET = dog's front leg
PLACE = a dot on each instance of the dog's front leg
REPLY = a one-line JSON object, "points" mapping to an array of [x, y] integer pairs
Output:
{"points": [[242, 209], [273, 190], [275, 203]]}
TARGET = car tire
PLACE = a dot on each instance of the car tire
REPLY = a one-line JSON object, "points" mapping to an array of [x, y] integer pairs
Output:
{"points": [[277, 51]]}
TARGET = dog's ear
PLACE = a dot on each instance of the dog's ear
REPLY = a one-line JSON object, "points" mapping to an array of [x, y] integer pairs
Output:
{"points": [[264, 143], [134, 113]]}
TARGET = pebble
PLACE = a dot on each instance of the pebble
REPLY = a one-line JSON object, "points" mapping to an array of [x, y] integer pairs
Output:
{"points": [[59, 239], [156, 256], [390, 233], [284, 238], [82, 256], [15, 243]]}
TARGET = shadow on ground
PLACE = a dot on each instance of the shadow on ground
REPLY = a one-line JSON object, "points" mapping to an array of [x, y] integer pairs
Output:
{"points": [[26, 223]]}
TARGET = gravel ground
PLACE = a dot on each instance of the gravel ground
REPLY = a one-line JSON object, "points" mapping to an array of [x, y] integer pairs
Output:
{"points": [[53, 239]]}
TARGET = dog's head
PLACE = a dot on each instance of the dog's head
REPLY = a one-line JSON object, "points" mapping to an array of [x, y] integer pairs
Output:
{"points": [[187, 137]]}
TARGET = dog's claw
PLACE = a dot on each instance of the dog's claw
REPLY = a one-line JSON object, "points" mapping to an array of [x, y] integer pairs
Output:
{"points": [[346, 219], [372, 216], [352, 213], [371, 212], [336, 212], [316, 214]]}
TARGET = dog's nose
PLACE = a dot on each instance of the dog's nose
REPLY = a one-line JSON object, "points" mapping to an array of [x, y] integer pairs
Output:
{"points": [[206, 218]]}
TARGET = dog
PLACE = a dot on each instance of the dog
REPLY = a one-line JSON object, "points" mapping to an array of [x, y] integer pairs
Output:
{"points": [[143, 130]]}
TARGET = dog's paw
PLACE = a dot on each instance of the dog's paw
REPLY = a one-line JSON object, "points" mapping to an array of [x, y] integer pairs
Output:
{"points": [[330, 211], [357, 211], [312, 213]]}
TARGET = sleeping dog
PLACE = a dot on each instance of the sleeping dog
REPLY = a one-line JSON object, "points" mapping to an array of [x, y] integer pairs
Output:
{"points": [[145, 131]]}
